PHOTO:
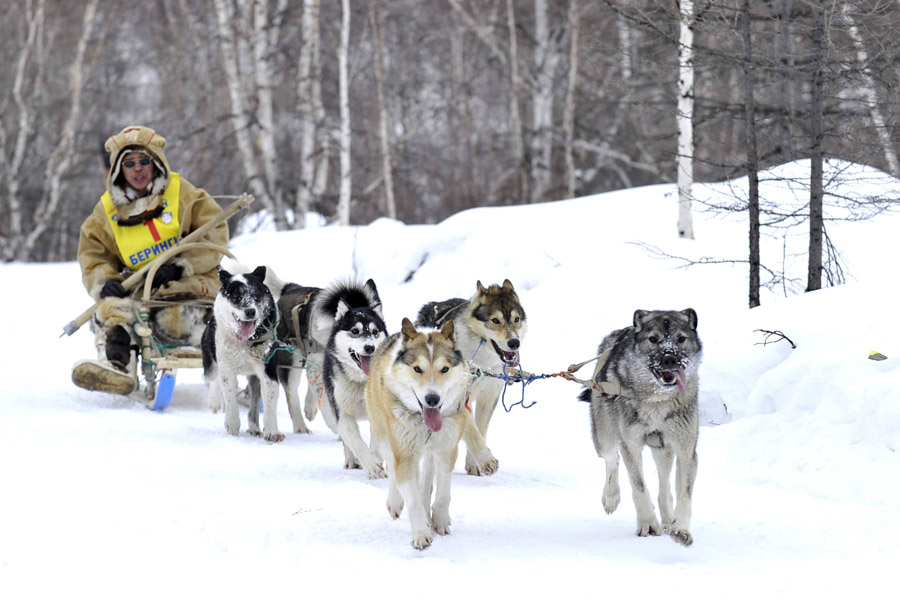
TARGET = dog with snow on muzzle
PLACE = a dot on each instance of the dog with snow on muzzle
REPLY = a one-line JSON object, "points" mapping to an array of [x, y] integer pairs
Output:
{"points": [[417, 401], [645, 393]]}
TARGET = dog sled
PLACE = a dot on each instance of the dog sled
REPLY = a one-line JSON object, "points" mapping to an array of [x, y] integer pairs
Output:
{"points": [[156, 364]]}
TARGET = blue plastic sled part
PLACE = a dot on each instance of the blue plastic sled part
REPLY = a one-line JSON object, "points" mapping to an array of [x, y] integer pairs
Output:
{"points": [[165, 389]]}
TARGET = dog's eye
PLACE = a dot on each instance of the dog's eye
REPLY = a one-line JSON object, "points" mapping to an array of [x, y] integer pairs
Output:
{"points": [[517, 319], [418, 369], [354, 332], [681, 339], [495, 321], [445, 370], [654, 339]]}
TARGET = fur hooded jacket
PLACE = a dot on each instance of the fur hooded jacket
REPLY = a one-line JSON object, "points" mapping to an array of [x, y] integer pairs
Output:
{"points": [[98, 253]]}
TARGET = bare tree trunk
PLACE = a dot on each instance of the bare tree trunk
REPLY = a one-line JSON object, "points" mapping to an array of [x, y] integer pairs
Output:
{"points": [[12, 165], [61, 157], [515, 120], [343, 208], [752, 153], [323, 133], [386, 168], [569, 112], [868, 91], [816, 224], [624, 31], [685, 159], [787, 84], [546, 57], [305, 109], [239, 110], [263, 29]]}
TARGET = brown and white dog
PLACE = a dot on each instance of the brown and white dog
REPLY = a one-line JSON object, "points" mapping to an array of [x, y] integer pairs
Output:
{"points": [[416, 399]]}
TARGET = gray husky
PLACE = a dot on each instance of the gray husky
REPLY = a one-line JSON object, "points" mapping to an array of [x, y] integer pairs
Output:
{"points": [[653, 366]]}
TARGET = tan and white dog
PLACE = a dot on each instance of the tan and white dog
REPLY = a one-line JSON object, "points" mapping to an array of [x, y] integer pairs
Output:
{"points": [[416, 399]]}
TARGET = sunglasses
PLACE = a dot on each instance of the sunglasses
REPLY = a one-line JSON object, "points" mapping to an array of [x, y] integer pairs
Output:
{"points": [[129, 164]]}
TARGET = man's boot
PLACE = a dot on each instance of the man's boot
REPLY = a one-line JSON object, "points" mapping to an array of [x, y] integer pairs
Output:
{"points": [[110, 375]]}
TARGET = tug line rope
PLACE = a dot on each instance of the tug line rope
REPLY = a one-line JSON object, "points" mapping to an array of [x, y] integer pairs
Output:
{"points": [[510, 376]]}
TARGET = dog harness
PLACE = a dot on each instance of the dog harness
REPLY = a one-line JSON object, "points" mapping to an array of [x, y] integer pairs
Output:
{"points": [[139, 244]]}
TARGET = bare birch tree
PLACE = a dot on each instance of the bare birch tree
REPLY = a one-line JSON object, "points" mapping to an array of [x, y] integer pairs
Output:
{"points": [[308, 90], [685, 159], [386, 167], [869, 93], [546, 57], [12, 163], [235, 77], [515, 119], [61, 157], [569, 112], [343, 207]]}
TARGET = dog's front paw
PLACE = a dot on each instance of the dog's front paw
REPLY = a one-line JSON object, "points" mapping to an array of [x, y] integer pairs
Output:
{"points": [[483, 467], [301, 428], [421, 539], [682, 536], [611, 498], [649, 527], [273, 436], [376, 472], [350, 462], [441, 523], [394, 507], [232, 427], [215, 404]]}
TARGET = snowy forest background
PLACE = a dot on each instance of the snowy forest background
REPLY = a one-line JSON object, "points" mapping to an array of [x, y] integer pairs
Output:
{"points": [[417, 109]]}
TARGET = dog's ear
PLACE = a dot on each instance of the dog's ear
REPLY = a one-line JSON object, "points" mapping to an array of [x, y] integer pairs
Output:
{"points": [[408, 329], [480, 289], [691, 315], [508, 286], [373, 291], [342, 309], [224, 276], [447, 331], [638, 319], [259, 273]]}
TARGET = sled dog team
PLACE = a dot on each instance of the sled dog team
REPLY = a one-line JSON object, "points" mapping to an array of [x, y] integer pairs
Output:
{"points": [[416, 389]]}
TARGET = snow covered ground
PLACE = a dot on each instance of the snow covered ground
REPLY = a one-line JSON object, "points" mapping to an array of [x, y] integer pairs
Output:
{"points": [[798, 479]]}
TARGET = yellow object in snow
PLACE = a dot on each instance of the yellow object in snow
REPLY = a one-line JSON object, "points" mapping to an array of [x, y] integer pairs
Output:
{"points": [[874, 355]]}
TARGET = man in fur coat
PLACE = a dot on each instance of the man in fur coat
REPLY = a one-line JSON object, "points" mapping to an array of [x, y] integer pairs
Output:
{"points": [[146, 209]]}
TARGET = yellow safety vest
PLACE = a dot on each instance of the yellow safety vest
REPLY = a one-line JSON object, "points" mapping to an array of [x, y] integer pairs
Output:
{"points": [[139, 244]]}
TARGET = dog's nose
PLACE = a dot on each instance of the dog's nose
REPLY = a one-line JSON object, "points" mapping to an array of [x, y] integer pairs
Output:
{"points": [[250, 313], [513, 344], [369, 348], [432, 399], [669, 362]]}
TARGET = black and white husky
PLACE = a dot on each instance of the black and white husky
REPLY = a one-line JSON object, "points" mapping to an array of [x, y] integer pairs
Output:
{"points": [[240, 339], [352, 314]]}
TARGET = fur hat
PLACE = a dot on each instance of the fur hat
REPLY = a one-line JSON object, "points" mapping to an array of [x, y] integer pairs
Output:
{"points": [[135, 139]]}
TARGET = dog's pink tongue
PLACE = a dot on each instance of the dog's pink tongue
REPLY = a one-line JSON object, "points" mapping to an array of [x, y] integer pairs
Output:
{"points": [[245, 330], [432, 418], [364, 364], [679, 379]]}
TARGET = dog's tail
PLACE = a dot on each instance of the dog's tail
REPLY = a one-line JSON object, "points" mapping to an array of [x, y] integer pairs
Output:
{"points": [[585, 396]]}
